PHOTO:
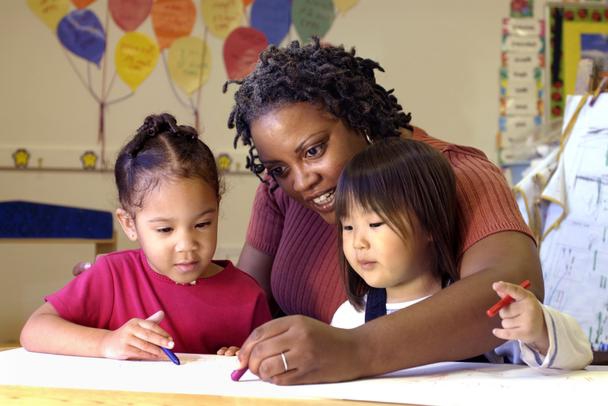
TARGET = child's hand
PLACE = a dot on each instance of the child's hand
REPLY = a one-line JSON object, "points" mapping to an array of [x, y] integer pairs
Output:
{"points": [[523, 319], [138, 339], [229, 351]]}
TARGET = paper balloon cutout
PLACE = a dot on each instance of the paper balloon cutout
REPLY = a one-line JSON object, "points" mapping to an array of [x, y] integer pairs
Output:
{"points": [[49, 11], [129, 14], [172, 19], [241, 51], [81, 32], [189, 63], [79, 4], [222, 16], [344, 5], [135, 58], [273, 18], [312, 17]]}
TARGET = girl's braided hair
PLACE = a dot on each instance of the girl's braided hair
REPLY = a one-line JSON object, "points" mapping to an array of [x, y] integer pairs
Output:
{"points": [[328, 76], [161, 149]]}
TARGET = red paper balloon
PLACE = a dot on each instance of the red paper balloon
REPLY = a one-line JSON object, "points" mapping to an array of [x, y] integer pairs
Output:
{"points": [[241, 50], [129, 14]]}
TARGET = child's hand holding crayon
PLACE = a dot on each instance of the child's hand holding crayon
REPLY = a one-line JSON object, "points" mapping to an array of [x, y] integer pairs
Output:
{"points": [[138, 339], [523, 319]]}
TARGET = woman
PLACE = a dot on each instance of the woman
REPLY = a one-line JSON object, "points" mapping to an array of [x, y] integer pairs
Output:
{"points": [[304, 112]]}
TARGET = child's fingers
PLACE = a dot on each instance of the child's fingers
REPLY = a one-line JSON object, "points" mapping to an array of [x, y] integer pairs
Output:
{"points": [[504, 334], [123, 344], [157, 317], [145, 349], [512, 311], [232, 350], [154, 334], [515, 291], [228, 351]]}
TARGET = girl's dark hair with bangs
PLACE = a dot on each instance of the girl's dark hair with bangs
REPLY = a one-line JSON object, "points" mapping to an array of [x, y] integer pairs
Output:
{"points": [[161, 149], [336, 80], [400, 179]]}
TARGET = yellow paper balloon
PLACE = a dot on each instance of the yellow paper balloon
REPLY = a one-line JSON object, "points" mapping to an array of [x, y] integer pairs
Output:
{"points": [[344, 5], [50, 11], [135, 58], [222, 16], [189, 63]]}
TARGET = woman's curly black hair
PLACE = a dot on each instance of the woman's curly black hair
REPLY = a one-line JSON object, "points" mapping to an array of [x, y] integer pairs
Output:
{"points": [[329, 76]]}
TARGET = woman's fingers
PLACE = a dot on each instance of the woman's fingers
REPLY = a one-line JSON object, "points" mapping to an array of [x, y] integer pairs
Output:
{"points": [[312, 352], [262, 343]]}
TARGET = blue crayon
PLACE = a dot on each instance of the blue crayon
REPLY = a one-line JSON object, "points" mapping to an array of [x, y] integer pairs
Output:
{"points": [[171, 355]]}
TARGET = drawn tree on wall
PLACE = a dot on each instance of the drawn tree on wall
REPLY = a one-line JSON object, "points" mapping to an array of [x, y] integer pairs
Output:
{"points": [[245, 26]]}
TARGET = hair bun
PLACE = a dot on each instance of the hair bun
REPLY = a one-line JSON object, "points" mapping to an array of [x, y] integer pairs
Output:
{"points": [[158, 124]]}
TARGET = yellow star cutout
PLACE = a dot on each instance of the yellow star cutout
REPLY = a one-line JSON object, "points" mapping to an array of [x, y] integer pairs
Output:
{"points": [[21, 157], [224, 162], [89, 160]]}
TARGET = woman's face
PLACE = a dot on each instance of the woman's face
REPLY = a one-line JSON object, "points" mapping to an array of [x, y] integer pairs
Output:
{"points": [[305, 149]]}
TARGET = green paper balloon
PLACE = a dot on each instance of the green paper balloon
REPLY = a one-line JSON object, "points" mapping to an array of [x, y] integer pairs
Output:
{"points": [[312, 17]]}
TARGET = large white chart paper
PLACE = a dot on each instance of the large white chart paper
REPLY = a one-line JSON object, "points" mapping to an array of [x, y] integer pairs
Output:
{"points": [[574, 251], [436, 384]]}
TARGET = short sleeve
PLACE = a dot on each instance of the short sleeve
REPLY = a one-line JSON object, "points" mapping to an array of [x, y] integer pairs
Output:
{"points": [[267, 218], [485, 199], [347, 317], [88, 298]]}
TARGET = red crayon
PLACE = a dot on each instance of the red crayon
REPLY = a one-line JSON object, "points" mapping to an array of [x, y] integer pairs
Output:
{"points": [[492, 311]]}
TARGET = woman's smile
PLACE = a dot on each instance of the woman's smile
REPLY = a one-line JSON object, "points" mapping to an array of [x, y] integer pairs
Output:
{"points": [[305, 149]]}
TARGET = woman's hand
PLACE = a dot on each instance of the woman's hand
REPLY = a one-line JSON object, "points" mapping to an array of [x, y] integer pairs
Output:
{"points": [[523, 319], [312, 352], [137, 339]]}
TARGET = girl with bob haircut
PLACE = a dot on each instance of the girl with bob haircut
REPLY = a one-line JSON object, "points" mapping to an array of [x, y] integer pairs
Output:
{"points": [[398, 218]]}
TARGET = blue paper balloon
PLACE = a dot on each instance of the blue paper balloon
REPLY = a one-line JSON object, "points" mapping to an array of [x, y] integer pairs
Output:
{"points": [[272, 17], [81, 32]]}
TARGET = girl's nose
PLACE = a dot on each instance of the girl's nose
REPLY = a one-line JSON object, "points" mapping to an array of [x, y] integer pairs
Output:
{"points": [[359, 240], [186, 243]]}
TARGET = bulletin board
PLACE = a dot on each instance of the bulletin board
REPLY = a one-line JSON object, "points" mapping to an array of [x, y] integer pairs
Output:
{"points": [[575, 30]]}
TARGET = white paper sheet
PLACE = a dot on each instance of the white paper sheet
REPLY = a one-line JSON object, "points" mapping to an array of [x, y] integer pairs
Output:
{"points": [[436, 384]]}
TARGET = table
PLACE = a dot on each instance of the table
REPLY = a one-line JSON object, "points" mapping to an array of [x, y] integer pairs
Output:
{"points": [[32, 378], [33, 396]]}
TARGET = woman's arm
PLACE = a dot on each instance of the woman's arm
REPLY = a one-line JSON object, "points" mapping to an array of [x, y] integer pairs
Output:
{"points": [[45, 331], [449, 326], [259, 265]]}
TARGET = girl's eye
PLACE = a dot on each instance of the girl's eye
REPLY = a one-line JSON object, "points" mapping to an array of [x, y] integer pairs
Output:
{"points": [[203, 224], [164, 230], [315, 151], [376, 225], [347, 228]]}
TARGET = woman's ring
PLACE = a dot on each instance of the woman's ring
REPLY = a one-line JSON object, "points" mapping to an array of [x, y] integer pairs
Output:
{"points": [[284, 361]]}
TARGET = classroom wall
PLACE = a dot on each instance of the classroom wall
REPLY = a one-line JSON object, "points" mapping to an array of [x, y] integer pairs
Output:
{"points": [[441, 57]]}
